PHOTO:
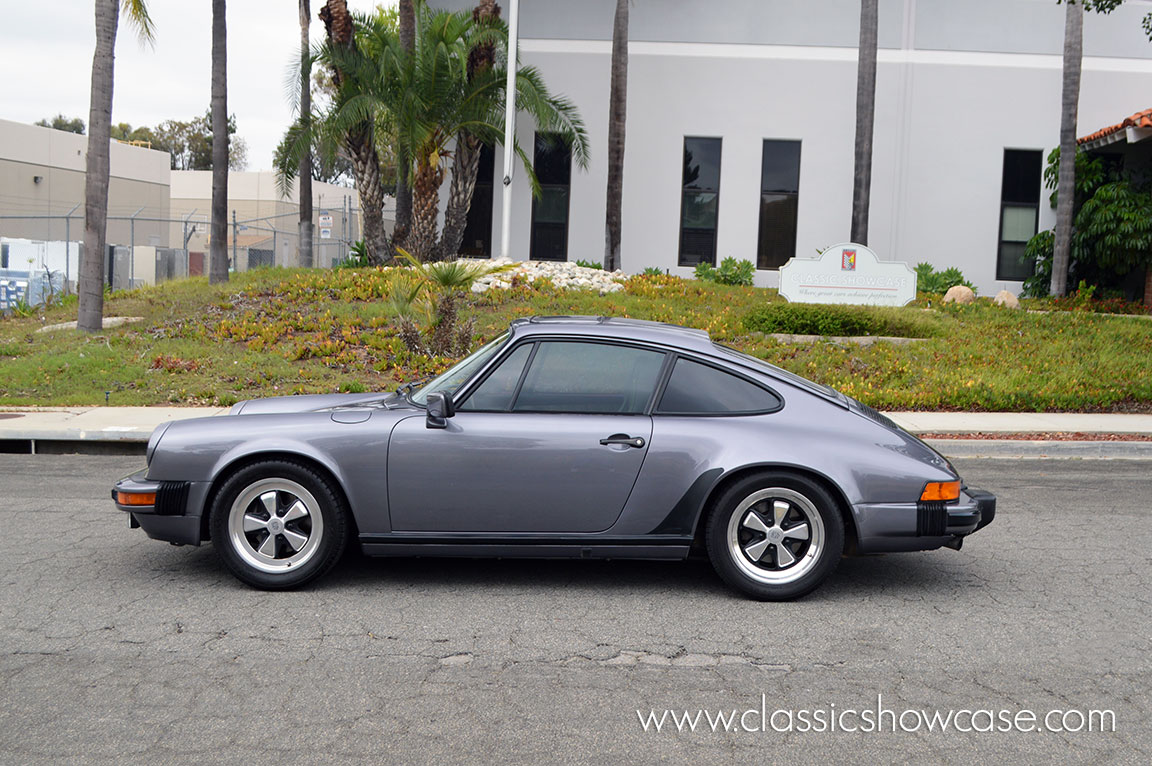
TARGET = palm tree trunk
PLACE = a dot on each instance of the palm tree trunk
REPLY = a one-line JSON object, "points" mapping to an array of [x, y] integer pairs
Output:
{"points": [[91, 277], [617, 113], [403, 160], [305, 185], [865, 117], [218, 262], [1066, 181], [466, 165], [425, 209], [361, 145]]}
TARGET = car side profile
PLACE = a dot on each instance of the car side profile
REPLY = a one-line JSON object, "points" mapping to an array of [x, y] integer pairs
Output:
{"points": [[569, 437]]}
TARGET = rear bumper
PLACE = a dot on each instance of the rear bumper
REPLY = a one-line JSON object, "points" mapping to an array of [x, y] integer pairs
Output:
{"points": [[175, 516], [885, 527]]}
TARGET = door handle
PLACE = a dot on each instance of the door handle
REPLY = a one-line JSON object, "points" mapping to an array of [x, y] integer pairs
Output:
{"points": [[625, 439]]}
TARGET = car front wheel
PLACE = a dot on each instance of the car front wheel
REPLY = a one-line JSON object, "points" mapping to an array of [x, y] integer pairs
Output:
{"points": [[278, 524], [775, 536]]}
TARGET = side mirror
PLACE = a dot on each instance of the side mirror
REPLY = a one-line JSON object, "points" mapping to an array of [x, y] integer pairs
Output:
{"points": [[439, 410]]}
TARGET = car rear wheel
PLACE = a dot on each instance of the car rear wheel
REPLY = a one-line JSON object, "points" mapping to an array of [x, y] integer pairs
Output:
{"points": [[278, 524], [775, 536]]}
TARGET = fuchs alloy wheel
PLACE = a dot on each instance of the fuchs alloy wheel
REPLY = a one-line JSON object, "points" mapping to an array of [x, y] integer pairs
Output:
{"points": [[278, 524], [775, 536]]}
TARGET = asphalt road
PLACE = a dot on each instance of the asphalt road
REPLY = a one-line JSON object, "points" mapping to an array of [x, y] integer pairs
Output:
{"points": [[117, 648]]}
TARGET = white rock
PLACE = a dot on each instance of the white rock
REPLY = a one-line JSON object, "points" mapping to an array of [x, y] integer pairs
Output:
{"points": [[959, 294], [1006, 299]]}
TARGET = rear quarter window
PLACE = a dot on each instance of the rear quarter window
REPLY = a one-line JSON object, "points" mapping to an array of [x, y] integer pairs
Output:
{"points": [[701, 389]]}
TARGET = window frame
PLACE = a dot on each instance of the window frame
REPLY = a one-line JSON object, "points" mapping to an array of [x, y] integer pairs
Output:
{"points": [[468, 389], [671, 355], [567, 187], [683, 192], [734, 373], [1005, 204], [795, 195]]}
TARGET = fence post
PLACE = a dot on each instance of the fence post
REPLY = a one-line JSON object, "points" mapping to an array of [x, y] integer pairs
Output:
{"points": [[235, 233], [132, 248]]}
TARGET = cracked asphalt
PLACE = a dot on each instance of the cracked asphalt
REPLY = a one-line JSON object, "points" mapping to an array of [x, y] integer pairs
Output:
{"points": [[116, 648]]}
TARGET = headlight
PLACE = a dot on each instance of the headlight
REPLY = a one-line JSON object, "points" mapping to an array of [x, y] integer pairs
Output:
{"points": [[154, 440]]}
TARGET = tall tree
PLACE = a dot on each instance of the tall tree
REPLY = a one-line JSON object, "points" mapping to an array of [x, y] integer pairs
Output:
{"points": [[91, 277], [865, 118], [305, 182], [1065, 186], [617, 113], [466, 159], [403, 158], [60, 122], [218, 257]]}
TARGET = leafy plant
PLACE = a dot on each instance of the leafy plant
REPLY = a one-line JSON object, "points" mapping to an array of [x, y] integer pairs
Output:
{"points": [[731, 272], [357, 257], [589, 264], [813, 319], [929, 280], [653, 271]]}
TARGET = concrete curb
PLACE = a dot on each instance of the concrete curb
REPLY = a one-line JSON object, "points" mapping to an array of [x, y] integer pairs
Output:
{"points": [[1042, 450]]}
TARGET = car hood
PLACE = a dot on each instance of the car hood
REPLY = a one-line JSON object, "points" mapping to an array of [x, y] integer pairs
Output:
{"points": [[317, 403]]}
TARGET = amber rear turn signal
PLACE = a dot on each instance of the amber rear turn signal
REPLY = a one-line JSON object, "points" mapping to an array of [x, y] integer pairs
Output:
{"points": [[136, 498], [941, 490]]}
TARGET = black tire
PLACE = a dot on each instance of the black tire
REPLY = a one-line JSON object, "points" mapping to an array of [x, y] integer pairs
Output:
{"points": [[309, 513], [779, 575]]}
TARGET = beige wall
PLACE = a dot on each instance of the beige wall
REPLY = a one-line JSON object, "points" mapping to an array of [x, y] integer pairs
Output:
{"points": [[139, 181]]}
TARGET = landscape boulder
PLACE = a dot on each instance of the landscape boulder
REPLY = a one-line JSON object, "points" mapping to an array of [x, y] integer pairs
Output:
{"points": [[959, 294], [1006, 299]]}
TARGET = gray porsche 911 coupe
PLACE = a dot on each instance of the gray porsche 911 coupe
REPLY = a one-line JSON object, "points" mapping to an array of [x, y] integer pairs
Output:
{"points": [[571, 437]]}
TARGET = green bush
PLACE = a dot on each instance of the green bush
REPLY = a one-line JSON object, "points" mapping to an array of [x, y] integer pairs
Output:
{"points": [[731, 272], [929, 280], [653, 271], [589, 264], [813, 319]]}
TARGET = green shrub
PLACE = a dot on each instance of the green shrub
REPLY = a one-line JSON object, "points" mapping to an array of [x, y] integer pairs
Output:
{"points": [[928, 280], [589, 264], [653, 271], [814, 319], [731, 272]]}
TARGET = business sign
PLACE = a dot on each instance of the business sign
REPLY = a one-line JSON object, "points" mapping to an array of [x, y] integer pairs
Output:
{"points": [[325, 220], [848, 273]]}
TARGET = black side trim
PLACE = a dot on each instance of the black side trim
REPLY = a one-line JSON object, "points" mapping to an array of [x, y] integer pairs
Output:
{"points": [[482, 538], [171, 498], [931, 518], [876, 415]]}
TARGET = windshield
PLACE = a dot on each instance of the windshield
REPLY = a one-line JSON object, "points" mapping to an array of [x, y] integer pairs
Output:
{"points": [[449, 382]]}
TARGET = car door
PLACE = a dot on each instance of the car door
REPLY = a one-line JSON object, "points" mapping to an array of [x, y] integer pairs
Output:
{"points": [[550, 441]]}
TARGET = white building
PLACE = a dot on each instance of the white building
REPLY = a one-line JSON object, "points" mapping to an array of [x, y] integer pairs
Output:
{"points": [[762, 93]]}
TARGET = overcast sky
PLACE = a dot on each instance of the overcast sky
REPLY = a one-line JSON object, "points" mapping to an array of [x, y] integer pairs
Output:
{"points": [[48, 50]]}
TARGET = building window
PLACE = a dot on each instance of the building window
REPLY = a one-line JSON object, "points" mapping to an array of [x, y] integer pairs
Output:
{"points": [[779, 203], [477, 240], [699, 201], [1019, 212], [553, 165]]}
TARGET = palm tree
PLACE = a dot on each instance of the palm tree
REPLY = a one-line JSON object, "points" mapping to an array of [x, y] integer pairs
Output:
{"points": [[1066, 180], [430, 99], [407, 19], [305, 187], [865, 115], [218, 244], [617, 109], [91, 277]]}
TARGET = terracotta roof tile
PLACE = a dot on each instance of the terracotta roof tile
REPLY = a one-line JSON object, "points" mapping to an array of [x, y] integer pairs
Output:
{"points": [[1138, 120]]}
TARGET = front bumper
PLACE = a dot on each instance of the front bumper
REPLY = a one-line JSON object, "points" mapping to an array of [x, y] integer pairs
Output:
{"points": [[886, 527], [171, 518]]}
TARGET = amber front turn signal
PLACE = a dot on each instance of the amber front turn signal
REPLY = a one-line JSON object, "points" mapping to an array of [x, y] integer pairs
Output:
{"points": [[136, 498], [941, 490]]}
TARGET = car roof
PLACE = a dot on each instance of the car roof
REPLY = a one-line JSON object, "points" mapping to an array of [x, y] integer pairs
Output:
{"points": [[615, 327]]}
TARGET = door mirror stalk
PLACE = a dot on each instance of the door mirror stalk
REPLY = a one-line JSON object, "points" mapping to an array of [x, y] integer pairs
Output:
{"points": [[439, 410]]}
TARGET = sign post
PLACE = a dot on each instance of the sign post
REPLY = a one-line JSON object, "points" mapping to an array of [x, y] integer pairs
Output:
{"points": [[848, 273]]}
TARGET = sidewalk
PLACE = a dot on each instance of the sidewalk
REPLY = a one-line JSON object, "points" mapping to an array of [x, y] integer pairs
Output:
{"points": [[128, 426]]}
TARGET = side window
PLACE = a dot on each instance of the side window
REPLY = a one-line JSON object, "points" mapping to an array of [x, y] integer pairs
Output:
{"points": [[698, 389], [497, 390], [570, 376]]}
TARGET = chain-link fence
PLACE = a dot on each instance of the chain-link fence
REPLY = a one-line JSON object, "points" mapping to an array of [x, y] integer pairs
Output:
{"points": [[40, 254]]}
